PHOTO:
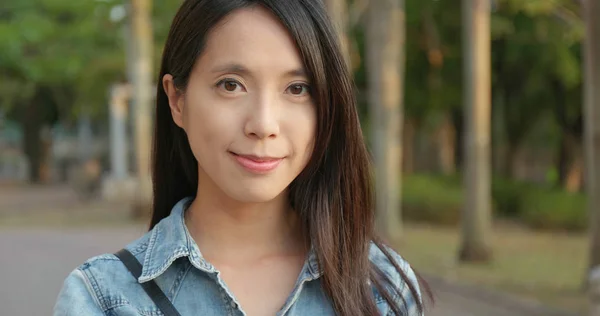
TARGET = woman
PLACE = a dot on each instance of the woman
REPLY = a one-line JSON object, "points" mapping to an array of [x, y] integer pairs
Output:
{"points": [[262, 193]]}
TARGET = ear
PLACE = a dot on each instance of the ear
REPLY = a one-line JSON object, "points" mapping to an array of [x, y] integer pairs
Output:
{"points": [[176, 99]]}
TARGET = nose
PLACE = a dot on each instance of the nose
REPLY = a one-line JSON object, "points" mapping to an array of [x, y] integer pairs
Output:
{"points": [[263, 118]]}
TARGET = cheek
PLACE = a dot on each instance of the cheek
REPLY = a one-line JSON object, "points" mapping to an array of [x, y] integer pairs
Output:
{"points": [[207, 127], [303, 125]]}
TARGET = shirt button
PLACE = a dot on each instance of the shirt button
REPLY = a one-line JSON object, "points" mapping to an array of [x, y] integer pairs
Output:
{"points": [[233, 304]]}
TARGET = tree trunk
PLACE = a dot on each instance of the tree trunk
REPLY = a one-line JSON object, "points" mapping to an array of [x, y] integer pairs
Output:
{"points": [[446, 141], [563, 161], [408, 146], [338, 11], [119, 95], [574, 179], [32, 143], [514, 161], [386, 58], [591, 68], [34, 115], [571, 164], [142, 96], [510, 160], [45, 167], [476, 218], [458, 121]]}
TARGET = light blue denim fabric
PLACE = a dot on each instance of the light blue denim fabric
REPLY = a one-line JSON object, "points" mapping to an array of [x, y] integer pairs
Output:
{"points": [[103, 286]]}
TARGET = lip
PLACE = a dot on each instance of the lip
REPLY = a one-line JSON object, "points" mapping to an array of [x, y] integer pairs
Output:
{"points": [[256, 164]]}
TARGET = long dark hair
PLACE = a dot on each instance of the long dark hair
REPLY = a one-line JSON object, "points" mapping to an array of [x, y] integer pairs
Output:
{"points": [[333, 194]]}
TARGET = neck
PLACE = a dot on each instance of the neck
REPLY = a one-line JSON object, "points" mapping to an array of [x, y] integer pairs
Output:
{"points": [[225, 229]]}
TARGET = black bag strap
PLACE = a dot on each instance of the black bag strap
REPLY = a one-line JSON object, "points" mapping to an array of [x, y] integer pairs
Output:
{"points": [[151, 288]]}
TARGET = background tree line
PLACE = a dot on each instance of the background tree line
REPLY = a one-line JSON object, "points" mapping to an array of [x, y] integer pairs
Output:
{"points": [[58, 58]]}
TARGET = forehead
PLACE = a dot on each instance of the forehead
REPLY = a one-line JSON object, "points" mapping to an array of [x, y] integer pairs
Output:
{"points": [[254, 38]]}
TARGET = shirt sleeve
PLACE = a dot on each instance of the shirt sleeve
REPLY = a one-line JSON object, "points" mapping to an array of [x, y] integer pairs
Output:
{"points": [[77, 297], [411, 302], [402, 295]]}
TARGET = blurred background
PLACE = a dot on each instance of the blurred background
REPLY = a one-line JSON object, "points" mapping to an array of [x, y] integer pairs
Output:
{"points": [[481, 116]]}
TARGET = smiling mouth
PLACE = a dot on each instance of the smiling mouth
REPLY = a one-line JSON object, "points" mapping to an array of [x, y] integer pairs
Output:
{"points": [[257, 164]]}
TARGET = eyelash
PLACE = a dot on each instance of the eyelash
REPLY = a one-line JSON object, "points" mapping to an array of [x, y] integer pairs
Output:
{"points": [[230, 80]]}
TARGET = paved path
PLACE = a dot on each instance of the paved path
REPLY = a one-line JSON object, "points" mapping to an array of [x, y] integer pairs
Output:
{"points": [[27, 199], [34, 262], [455, 300]]}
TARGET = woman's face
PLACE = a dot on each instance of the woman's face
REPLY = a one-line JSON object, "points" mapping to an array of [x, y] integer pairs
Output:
{"points": [[247, 109]]}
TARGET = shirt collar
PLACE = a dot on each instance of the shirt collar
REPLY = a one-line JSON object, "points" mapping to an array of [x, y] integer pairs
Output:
{"points": [[313, 265], [170, 240]]}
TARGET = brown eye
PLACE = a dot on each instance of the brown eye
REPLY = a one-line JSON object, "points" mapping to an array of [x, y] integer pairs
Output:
{"points": [[229, 85], [298, 89]]}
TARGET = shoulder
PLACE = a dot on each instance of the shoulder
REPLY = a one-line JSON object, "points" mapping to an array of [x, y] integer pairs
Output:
{"points": [[99, 284], [386, 259], [401, 276], [107, 264]]}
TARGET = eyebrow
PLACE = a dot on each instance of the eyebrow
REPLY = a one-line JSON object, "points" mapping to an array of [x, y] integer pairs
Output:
{"points": [[239, 69]]}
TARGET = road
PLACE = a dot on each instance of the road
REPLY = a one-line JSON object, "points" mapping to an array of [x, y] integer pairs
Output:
{"points": [[35, 261]]}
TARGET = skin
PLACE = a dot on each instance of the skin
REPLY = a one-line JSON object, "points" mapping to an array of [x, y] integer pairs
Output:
{"points": [[248, 94]]}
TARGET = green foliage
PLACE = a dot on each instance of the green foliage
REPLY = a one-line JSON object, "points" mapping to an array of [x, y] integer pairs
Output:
{"points": [[554, 209], [70, 47], [431, 198], [535, 59], [439, 200], [542, 207], [535, 48], [433, 60], [74, 48], [508, 196]]}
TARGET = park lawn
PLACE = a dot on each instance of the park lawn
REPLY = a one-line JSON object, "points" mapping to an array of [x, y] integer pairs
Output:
{"points": [[544, 266]]}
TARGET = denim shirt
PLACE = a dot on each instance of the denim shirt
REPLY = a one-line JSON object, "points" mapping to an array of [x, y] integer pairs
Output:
{"points": [[170, 257]]}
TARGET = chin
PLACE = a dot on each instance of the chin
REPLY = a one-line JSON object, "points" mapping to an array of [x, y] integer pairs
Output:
{"points": [[254, 194]]}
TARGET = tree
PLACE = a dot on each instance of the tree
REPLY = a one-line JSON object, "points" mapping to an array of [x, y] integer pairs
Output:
{"points": [[545, 36], [476, 217], [141, 12], [440, 23], [591, 68], [385, 64], [338, 11], [54, 54], [58, 59]]}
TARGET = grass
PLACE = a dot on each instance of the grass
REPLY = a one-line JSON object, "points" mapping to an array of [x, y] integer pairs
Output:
{"points": [[548, 267]]}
